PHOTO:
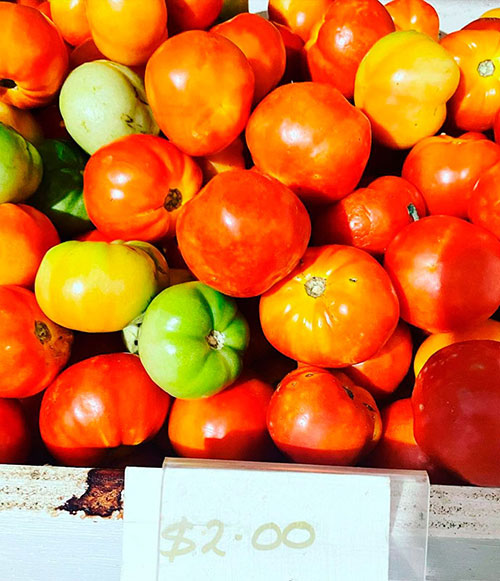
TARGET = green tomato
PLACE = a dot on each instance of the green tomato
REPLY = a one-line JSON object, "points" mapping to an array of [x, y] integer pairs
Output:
{"points": [[192, 340], [60, 195], [21, 167]]}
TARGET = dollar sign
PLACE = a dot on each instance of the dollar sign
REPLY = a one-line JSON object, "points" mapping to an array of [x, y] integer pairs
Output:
{"points": [[181, 545]]}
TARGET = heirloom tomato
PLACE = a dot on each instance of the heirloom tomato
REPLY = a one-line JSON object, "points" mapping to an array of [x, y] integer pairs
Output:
{"points": [[135, 186], [33, 348], [402, 85], [15, 436], [98, 406], [299, 15], [336, 308], [445, 169], [192, 14], [455, 405], [313, 418], [484, 203], [99, 287], [192, 340], [243, 232], [414, 15], [23, 121], [200, 106], [230, 425], [70, 17], [308, 136], [337, 45], [33, 57], [446, 273]]}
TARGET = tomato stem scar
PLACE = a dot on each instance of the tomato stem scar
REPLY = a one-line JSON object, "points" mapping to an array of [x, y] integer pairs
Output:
{"points": [[8, 83], [486, 68], [172, 200], [215, 339], [315, 286]]}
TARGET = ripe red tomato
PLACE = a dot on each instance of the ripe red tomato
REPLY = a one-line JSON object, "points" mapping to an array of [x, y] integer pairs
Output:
{"points": [[484, 206], [295, 55], [455, 403], [243, 232], [192, 14], [15, 436], [98, 405], [446, 273]]}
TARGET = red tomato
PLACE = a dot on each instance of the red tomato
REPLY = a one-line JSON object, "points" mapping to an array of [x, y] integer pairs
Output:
{"points": [[299, 15], [261, 43], [445, 170], [134, 187], [223, 240], [370, 217], [192, 14], [492, 23], [484, 203], [446, 273], [319, 313], [349, 28], [228, 426], [308, 136], [455, 403], [295, 55], [314, 419], [33, 348], [15, 437], [98, 405], [414, 15]]}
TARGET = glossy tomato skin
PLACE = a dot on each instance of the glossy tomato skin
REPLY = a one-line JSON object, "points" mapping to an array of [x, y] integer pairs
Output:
{"points": [[319, 314], [301, 17], [34, 57], [15, 436], [223, 240], [98, 404], [308, 136], [455, 404], [192, 14], [205, 112], [230, 425], [70, 17], [483, 208], [414, 15], [445, 169], [135, 186], [446, 273], [314, 419]]}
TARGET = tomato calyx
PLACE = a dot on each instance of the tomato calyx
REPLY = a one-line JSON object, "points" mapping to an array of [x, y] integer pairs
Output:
{"points": [[172, 200], [413, 212], [8, 83], [42, 332], [315, 286], [216, 339], [486, 68]]}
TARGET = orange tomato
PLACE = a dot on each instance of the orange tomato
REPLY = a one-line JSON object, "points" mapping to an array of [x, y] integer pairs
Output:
{"points": [[15, 436], [414, 15], [201, 106], [484, 202], [25, 236], [70, 17], [299, 15], [231, 157], [23, 121], [192, 14], [34, 58], [261, 43], [127, 32]]}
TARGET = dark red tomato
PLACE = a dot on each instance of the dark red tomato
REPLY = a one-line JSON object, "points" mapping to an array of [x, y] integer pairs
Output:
{"points": [[243, 232], [98, 406], [455, 403], [15, 437], [295, 69]]}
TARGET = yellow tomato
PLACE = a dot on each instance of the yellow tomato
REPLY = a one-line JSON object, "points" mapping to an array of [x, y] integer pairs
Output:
{"points": [[402, 85], [99, 287], [493, 13]]}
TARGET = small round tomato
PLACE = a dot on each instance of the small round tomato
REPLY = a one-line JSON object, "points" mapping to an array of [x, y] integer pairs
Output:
{"points": [[25, 236], [370, 217], [300, 16], [446, 273], [70, 17], [15, 436], [192, 14], [455, 404], [315, 419], [484, 206], [135, 186], [200, 108], [33, 348], [98, 405], [222, 238], [416, 15], [308, 136], [319, 313], [230, 425]]}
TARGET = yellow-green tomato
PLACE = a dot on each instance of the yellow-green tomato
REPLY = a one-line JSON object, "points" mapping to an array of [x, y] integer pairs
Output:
{"points": [[402, 85], [99, 287]]}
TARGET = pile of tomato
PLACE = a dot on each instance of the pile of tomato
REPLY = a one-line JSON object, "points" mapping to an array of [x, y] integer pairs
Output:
{"points": [[252, 237]]}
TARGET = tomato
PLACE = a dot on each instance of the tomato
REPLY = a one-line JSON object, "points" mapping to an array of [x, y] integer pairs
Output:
{"points": [[33, 348], [370, 217], [492, 13], [99, 287], [315, 419], [308, 136], [15, 437], [222, 239], [455, 405], [295, 55], [445, 169], [192, 14], [201, 109], [446, 273], [261, 43], [99, 405], [484, 207], [415, 15], [230, 425], [483, 23], [23, 121], [349, 28], [135, 186], [231, 157], [192, 340], [70, 17], [300, 16], [319, 313], [25, 236], [127, 32], [403, 84], [34, 59]]}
